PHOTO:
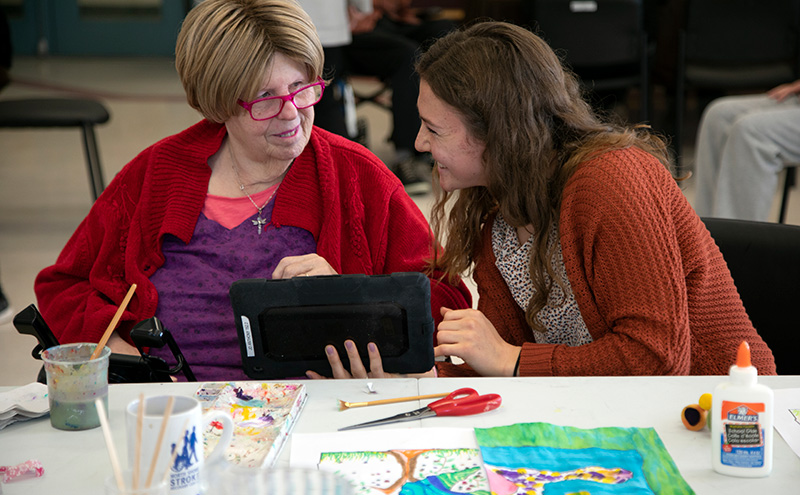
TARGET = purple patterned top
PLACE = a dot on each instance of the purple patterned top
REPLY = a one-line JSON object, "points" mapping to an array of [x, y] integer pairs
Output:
{"points": [[193, 285]]}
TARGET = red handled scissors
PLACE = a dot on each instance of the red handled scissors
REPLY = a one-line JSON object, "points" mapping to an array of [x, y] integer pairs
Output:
{"points": [[462, 402]]}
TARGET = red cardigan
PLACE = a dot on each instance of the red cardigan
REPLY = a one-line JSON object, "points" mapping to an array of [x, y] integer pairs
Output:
{"points": [[356, 209], [651, 284]]}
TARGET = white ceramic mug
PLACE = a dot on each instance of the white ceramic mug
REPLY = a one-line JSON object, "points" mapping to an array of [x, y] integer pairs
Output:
{"points": [[184, 432]]}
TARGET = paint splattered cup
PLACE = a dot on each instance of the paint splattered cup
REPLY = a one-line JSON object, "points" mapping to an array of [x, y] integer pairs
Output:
{"points": [[74, 382]]}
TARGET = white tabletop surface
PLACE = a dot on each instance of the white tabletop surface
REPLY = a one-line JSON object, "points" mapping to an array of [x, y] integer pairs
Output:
{"points": [[77, 462]]}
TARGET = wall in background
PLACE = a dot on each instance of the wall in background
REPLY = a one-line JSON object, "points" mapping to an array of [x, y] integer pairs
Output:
{"points": [[95, 27]]}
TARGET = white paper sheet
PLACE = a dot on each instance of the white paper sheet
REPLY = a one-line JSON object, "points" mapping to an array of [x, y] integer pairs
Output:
{"points": [[307, 447], [787, 416]]}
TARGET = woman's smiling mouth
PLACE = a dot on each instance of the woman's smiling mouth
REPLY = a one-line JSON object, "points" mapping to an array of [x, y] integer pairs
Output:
{"points": [[289, 133]]}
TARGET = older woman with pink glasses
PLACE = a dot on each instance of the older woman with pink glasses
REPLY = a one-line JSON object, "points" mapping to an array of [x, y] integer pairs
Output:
{"points": [[254, 190]]}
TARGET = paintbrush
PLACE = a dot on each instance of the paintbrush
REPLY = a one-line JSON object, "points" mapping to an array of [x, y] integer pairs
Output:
{"points": [[164, 422], [112, 451], [138, 447], [113, 324], [347, 405]]}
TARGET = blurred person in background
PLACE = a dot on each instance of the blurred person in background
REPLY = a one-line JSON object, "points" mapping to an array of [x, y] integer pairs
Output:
{"points": [[743, 144], [385, 38]]}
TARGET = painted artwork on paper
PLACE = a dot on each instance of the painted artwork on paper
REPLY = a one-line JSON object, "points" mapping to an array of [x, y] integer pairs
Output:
{"points": [[787, 416], [410, 472], [545, 459], [263, 416]]}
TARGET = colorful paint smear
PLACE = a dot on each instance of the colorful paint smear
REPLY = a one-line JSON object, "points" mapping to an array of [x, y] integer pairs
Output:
{"points": [[410, 472], [526, 458], [541, 458], [263, 416]]}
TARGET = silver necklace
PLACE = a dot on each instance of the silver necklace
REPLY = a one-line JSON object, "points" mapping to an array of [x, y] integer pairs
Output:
{"points": [[258, 222]]}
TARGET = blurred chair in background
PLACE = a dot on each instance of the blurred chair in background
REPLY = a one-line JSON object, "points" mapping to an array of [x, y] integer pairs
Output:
{"points": [[52, 112], [789, 182], [62, 112], [603, 41]]}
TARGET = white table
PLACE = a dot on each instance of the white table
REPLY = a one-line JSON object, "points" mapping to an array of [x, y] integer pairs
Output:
{"points": [[627, 402], [77, 462]]}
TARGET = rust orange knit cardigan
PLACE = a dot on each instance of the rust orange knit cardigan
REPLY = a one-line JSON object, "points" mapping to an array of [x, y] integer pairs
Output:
{"points": [[651, 284]]}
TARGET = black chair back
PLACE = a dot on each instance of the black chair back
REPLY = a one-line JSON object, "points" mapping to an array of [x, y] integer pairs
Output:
{"points": [[733, 33], [603, 41], [764, 260], [79, 113]]}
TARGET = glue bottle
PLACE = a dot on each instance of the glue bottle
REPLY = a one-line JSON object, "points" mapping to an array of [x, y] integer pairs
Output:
{"points": [[741, 428]]}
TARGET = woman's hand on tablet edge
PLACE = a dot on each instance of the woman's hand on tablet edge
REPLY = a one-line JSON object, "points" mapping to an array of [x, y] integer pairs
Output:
{"points": [[357, 367]]}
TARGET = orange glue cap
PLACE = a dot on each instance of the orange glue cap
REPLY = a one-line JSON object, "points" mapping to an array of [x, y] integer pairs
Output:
{"points": [[743, 355]]}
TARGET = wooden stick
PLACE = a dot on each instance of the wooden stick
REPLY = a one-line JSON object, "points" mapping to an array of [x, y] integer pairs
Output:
{"points": [[114, 321], [138, 448], [175, 452], [164, 421], [112, 452], [346, 405]]}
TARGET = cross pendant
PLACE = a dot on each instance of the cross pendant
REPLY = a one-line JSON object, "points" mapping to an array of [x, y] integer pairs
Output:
{"points": [[259, 222]]}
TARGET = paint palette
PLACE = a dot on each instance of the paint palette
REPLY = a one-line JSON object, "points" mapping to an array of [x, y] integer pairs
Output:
{"points": [[263, 416]]}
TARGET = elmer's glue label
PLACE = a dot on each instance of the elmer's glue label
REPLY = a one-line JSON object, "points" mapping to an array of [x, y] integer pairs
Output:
{"points": [[741, 428]]}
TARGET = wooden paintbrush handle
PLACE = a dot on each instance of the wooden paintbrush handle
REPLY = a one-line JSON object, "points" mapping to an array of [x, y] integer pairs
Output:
{"points": [[392, 401], [114, 321]]}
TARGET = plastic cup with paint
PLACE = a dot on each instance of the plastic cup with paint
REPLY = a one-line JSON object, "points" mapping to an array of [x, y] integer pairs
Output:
{"points": [[74, 382]]}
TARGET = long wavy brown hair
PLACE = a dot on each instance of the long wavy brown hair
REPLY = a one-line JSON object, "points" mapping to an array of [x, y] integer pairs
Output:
{"points": [[514, 95]]}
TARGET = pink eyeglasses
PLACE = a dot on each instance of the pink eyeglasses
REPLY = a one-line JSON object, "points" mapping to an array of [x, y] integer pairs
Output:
{"points": [[271, 106]]}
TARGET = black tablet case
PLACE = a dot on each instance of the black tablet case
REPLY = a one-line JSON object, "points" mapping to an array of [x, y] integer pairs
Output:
{"points": [[284, 325]]}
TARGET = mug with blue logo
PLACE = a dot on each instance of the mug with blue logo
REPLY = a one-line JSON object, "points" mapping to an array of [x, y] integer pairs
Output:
{"points": [[177, 447]]}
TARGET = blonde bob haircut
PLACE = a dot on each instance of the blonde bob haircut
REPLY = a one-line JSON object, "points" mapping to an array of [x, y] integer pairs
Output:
{"points": [[225, 47]]}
